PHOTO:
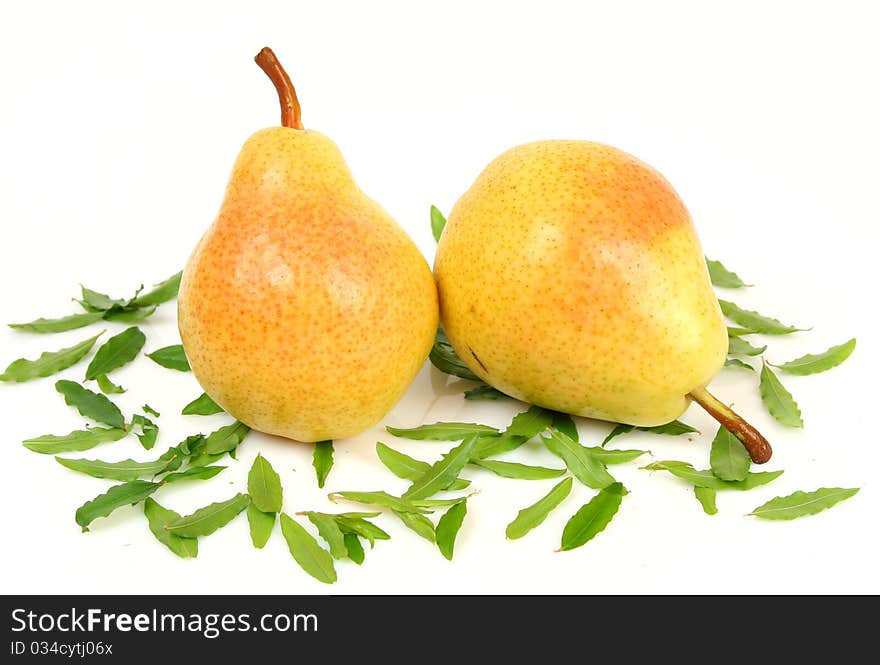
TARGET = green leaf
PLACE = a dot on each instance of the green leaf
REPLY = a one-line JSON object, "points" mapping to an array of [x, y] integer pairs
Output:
{"points": [[586, 468], [442, 431], [129, 315], [778, 400], [530, 423], [124, 470], [737, 346], [729, 458], [448, 527], [226, 439], [189, 447], [329, 530], [379, 498], [706, 497], [593, 517], [117, 496], [518, 471], [148, 430], [443, 473], [614, 456], [444, 358], [353, 547], [438, 503], [322, 460], [738, 332], [202, 405], [675, 428], [356, 523], [687, 472], [108, 387], [736, 362], [438, 222], [418, 523], [163, 292], [193, 473], [49, 362], [51, 444], [821, 362], [409, 468], [158, 517], [306, 551], [261, 525], [94, 301], [800, 504], [171, 357], [264, 486], [528, 518], [207, 520], [483, 392], [564, 423], [90, 405], [63, 324], [149, 409], [723, 277], [493, 444], [754, 321]]}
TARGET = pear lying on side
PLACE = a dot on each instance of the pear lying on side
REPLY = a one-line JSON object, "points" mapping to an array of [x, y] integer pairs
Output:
{"points": [[571, 277], [305, 310]]}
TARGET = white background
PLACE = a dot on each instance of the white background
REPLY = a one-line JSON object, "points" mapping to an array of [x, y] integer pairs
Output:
{"points": [[119, 123]]}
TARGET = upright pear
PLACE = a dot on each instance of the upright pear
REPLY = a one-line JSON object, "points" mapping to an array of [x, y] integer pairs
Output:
{"points": [[571, 277], [305, 310]]}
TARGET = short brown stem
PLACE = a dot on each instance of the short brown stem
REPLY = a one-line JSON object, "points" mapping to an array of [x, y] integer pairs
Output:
{"points": [[758, 447], [290, 111]]}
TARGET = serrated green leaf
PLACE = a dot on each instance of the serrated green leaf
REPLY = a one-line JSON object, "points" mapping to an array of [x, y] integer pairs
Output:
{"points": [[733, 331], [442, 431], [157, 518], [518, 471], [737, 346], [49, 362], [51, 444], [483, 392], [162, 292], [62, 324], [820, 362], [409, 468], [729, 458], [322, 460], [261, 525], [800, 504], [202, 405], [171, 357], [443, 473], [438, 222], [264, 486], [706, 497], [90, 405], [226, 439], [353, 547], [108, 387], [706, 478], [329, 530], [193, 473], [584, 466], [593, 517], [755, 321], [448, 528], [379, 498], [675, 428], [418, 523], [778, 400], [736, 362], [306, 551], [532, 516], [205, 521], [125, 470], [117, 496], [723, 277], [444, 358]]}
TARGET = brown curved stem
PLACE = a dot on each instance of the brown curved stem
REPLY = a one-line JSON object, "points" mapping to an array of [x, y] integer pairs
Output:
{"points": [[290, 111], [758, 447]]}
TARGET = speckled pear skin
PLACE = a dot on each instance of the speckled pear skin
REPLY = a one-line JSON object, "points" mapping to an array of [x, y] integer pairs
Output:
{"points": [[571, 277], [305, 310]]}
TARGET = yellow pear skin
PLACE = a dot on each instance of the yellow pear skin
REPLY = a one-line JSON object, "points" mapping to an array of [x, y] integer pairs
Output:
{"points": [[571, 277], [305, 311]]}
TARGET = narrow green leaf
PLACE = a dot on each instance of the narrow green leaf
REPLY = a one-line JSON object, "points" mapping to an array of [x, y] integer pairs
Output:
{"points": [[409, 468], [723, 277], [736, 362], [264, 486], [353, 547], [518, 471], [442, 431], [202, 405], [483, 392], [675, 428], [49, 362], [443, 473], [418, 523], [357, 523], [706, 497], [444, 358], [530, 423], [379, 498], [494, 444], [706, 478], [149, 409], [614, 456], [184, 451], [737, 346], [171, 357], [129, 315], [729, 458], [124, 470], [51, 444], [800, 504], [778, 400], [94, 301], [754, 321], [586, 468], [593, 517], [207, 520], [820, 362], [158, 517], [448, 527], [226, 439], [163, 292], [193, 473], [438, 222], [261, 525], [148, 430], [306, 551], [565, 424], [329, 530], [63, 324], [439, 503], [108, 387], [733, 331], [322, 460], [117, 496], [532, 516], [90, 405]]}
